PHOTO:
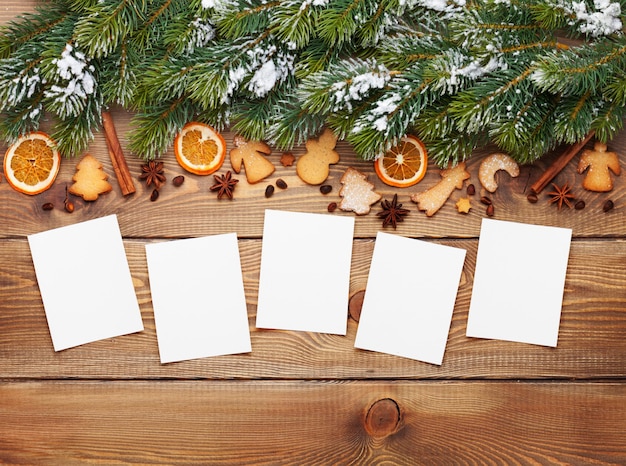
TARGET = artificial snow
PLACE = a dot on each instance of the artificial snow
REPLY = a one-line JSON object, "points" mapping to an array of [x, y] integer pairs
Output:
{"points": [[76, 81], [202, 34], [206, 4], [307, 3], [602, 22], [264, 79], [344, 93]]}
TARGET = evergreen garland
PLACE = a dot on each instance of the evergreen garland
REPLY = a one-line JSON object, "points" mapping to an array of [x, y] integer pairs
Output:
{"points": [[459, 74]]}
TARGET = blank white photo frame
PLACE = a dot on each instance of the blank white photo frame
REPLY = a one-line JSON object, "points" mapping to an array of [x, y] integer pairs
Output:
{"points": [[409, 298], [198, 297], [85, 282], [304, 282], [519, 282]]}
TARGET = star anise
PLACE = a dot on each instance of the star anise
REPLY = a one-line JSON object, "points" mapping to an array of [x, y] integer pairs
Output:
{"points": [[152, 173], [392, 212], [561, 195], [224, 185]]}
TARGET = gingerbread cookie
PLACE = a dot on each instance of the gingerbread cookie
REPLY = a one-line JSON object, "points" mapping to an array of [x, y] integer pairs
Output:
{"points": [[314, 166], [599, 162], [357, 193], [90, 180], [251, 154], [493, 163], [434, 198]]}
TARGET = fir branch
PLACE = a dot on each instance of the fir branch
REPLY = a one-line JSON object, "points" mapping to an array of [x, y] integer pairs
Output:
{"points": [[244, 18], [341, 85], [373, 30], [391, 114], [185, 34], [73, 134], [455, 148], [588, 67], [295, 126], [118, 78], [403, 50], [573, 118], [341, 22], [20, 78], [101, 31], [475, 108], [253, 118], [526, 131], [21, 119], [158, 18], [610, 120], [295, 21], [30, 29], [155, 127], [318, 56]]}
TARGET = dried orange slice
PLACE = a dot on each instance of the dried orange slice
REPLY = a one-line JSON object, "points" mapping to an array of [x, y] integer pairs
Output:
{"points": [[31, 164], [199, 148], [403, 165]]}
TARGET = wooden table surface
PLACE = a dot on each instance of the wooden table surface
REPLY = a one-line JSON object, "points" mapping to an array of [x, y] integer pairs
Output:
{"points": [[308, 398]]}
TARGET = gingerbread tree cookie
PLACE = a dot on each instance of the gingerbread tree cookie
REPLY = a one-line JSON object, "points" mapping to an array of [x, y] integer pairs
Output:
{"points": [[251, 154], [90, 180], [357, 193], [599, 162], [314, 166]]}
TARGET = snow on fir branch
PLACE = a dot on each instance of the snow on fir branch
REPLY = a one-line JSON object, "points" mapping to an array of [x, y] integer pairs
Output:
{"points": [[457, 74]]}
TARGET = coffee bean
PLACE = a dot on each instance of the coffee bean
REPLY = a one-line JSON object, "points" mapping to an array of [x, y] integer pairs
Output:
{"points": [[281, 183], [326, 188], [48, 206], [580, 205], [178, 180], [485, 200], [269, 190], [332, 206], [608, 205], [532, 198], [471, 189], [490, 210], [155, 195]]}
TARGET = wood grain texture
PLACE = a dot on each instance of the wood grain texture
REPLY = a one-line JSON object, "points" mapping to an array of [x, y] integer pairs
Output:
{"points": [[306, 398], [192, 210], [273, 423], [591, 338]]}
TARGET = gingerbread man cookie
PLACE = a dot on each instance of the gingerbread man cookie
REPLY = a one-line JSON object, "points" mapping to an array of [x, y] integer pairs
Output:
{"points": [[314, 166]]}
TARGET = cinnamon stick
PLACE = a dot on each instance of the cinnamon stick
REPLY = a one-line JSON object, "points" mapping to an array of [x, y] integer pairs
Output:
{"points": [[118, 160], [559, 164]]}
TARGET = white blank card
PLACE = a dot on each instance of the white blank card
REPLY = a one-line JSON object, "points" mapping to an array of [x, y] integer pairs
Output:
{"points": [[409, 298], [85, 282], [198, 297], [518, 283]]}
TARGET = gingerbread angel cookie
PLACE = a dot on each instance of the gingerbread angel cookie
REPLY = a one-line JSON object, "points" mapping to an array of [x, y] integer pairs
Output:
{"points": [[598, 162]]}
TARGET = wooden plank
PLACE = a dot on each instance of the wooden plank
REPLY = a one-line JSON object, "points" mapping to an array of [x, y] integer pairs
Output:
{"points": [[304, 423], [591, 339], [204, 214]]}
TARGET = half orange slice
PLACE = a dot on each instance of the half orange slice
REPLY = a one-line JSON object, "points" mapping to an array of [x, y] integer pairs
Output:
{"points": [[403, 165], [31, 164], [199, 148]]}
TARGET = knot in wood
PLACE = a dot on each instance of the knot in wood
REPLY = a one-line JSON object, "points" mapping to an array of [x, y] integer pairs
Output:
{"points": [[355, 304], [383, 418]]}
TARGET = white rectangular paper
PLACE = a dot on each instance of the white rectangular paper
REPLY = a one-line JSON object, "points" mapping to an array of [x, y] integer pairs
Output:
{"points": [[409, 298], [85, 282], [519, 282], [198, 297], [304, 282]]}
